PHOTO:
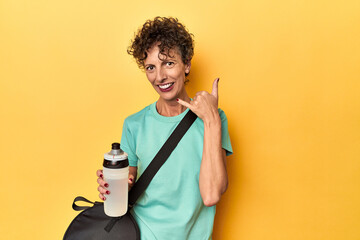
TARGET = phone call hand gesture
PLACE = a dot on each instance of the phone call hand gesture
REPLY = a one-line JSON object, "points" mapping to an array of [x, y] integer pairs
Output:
{"points": [[204, 104]]}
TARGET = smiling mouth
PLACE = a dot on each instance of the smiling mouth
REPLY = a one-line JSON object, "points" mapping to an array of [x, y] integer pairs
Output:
{"points": [[166, 87]]}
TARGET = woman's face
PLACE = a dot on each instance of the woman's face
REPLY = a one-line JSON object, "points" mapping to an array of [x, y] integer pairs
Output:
{"points": [[166, 75]]}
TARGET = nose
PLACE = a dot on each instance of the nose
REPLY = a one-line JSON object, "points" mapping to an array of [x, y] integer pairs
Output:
{"points": [[160, 75]]}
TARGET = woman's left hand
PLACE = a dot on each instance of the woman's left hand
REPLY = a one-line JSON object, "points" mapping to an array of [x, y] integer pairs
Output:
{"points": [[204, 104], [213, 176]]}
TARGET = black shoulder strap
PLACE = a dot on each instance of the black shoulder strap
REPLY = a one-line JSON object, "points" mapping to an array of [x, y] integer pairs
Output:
{"points": [[160, 158]]}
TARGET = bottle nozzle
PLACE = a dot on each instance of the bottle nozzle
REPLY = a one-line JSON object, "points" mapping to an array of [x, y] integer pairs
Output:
{"points": [[115, 146]]}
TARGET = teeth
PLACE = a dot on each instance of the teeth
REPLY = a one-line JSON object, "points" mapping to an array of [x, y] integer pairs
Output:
{"points": [[165, 86]]}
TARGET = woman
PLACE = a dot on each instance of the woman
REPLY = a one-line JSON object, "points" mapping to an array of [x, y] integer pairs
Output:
{"points": [[180, 201]]}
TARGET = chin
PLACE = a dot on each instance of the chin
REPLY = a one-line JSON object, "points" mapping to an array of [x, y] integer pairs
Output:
{"points": [[168, 98]]}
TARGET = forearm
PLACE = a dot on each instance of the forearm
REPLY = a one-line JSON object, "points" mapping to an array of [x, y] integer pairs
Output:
{"points": [[213, 176]]}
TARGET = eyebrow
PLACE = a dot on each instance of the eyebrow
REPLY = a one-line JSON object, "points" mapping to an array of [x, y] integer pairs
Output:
{"points": [[169, 60], [162, 62]]}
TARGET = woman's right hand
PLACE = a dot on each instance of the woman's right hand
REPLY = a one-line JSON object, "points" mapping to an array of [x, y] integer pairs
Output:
{"points": [[102, 185], [102, 188]]}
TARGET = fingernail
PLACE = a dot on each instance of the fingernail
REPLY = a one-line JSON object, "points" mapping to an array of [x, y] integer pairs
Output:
{"points": [[106, 185], [130, 179], [101, 175], [103, 199], [177, 99], [107, 192], [218, 79]]}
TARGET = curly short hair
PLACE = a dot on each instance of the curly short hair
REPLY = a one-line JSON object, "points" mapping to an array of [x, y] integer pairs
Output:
{"points": [[169, 32]]}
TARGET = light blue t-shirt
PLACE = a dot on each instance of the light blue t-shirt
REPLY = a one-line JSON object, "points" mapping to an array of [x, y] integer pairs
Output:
{"points": [[171, 207]]}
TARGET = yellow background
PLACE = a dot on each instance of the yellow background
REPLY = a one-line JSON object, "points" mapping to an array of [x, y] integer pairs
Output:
{"points": [[289, 84]]}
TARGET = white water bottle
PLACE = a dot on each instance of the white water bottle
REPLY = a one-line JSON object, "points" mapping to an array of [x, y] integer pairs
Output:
{"points": [[116, 174]]}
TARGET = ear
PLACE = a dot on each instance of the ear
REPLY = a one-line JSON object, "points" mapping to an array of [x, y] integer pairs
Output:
{"points": [[187, 67]]}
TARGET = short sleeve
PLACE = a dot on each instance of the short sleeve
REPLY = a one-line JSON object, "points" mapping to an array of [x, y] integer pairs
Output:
{"points": [[128, 145], [225, 137]]}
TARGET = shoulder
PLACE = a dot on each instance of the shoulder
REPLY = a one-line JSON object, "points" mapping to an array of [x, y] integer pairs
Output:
{"points": [[222, 115], [138, 116]]}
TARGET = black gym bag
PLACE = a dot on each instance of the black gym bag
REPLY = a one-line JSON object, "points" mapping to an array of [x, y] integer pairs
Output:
{"points": [[94, 224]]}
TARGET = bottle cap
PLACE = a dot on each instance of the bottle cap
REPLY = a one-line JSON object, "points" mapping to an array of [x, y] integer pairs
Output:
{"points": [[115, 146], [116, 158]]}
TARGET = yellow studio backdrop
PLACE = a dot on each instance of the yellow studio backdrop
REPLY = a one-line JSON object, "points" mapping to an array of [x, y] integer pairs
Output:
{"points": [[289, 84]]}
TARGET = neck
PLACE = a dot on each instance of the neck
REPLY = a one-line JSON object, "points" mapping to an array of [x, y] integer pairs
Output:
{"points": [[171, 108]]}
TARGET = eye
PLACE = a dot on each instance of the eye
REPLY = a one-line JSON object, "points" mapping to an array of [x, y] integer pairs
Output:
{"points": [[149, 68], [169, 64]]}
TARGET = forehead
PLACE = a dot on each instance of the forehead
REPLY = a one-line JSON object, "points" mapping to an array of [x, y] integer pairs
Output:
{"points": [[153, 54]]}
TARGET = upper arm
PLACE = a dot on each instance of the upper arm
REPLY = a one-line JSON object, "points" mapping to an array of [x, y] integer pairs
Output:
{"points": [[225, 137], [224, 156]]}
